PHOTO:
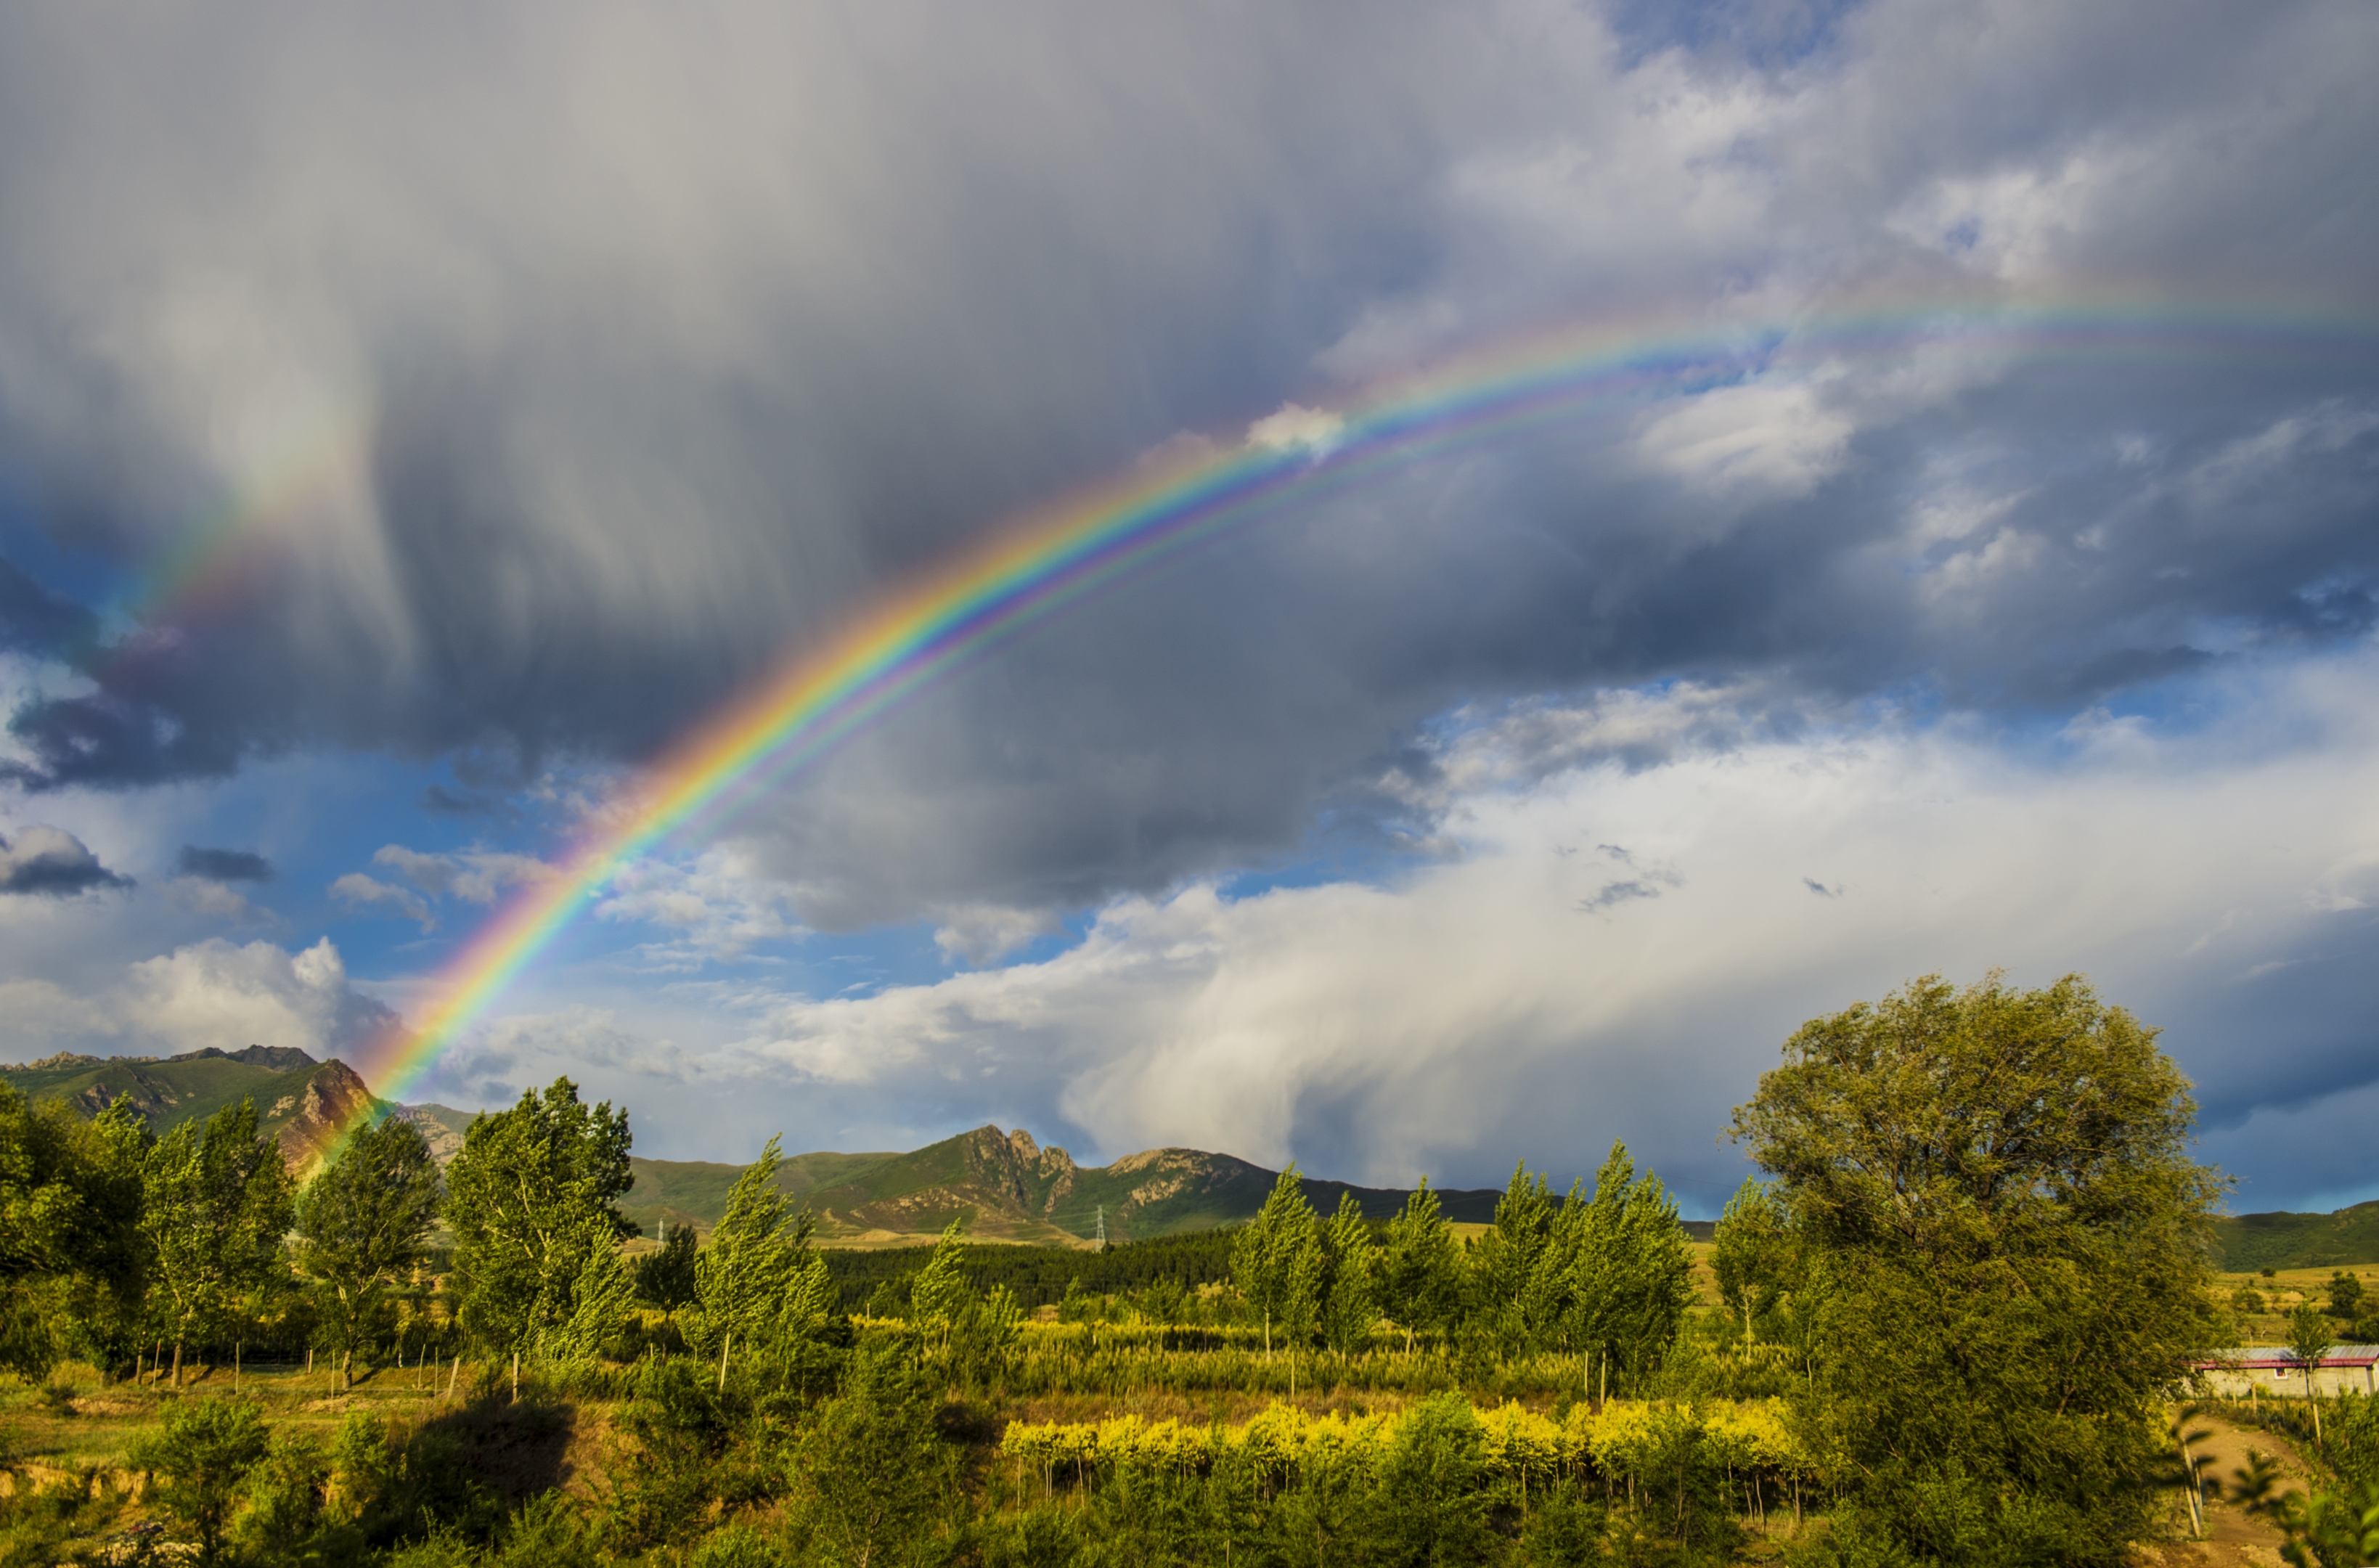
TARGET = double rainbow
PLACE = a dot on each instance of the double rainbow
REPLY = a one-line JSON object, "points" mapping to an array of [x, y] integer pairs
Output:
{"points": [[967, 604]]}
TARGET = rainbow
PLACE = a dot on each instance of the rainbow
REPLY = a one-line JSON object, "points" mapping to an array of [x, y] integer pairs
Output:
{"points": [[970, 602], [201, 569]]}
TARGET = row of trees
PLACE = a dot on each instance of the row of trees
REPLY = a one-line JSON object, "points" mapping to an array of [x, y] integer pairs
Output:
{"points": [[117, 1240], [1607, 1275]]}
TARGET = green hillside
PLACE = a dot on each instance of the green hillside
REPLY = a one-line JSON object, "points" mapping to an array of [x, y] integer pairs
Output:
{"points": [[1006, 1187], [302, 1102], [2299, 1241]]}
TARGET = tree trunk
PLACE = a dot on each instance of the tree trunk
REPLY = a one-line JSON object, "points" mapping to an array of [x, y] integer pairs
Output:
{"points": [[724, 1340], [236, 1345], [515, 1375], [178, 1363]]}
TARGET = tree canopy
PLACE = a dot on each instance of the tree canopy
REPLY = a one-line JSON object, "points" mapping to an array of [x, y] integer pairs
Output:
{"points": [[2010, 1246]]}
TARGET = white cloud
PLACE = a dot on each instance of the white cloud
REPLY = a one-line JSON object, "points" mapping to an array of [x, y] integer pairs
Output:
{"points": [[212, 993], [1290, 426], [1510, 1002], [358, 891]]}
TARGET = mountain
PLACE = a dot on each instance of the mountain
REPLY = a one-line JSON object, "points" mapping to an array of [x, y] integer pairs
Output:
{"points": [[2299, 1241], [1006, 1185], [302, 1102], [1007, 1188]]}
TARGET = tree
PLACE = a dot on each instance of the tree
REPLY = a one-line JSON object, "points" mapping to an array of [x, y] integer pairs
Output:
{"points": [[363, 1227], [1633, 1271], [2310, 1340], [532, 1199], [2344, 1296], [666, 1279], [1275, 1257], [215, 1204], [1349, 1289], [2014, 1249], [1753, 1257], [201, 1454], [73, 1264], [1515, 1293], [867, 1461], [758, 1281], [1420, 1269]]}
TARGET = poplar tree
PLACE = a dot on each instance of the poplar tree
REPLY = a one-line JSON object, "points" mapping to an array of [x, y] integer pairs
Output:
{"points": [[1420, 1268], [215, 1204], [1350, 1268], [1753, 1257], [2015, 1247], [1632, 1274], [1275, 1259], [1511, 1285], [759, 1282], [533, 1201], [363, 1227]]}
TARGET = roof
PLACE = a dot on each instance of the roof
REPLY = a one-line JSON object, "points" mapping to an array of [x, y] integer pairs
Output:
{"points": [[2280, 1358]]}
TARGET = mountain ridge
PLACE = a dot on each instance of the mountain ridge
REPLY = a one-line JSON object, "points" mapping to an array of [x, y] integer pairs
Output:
{"points": [[1004, 1185]]}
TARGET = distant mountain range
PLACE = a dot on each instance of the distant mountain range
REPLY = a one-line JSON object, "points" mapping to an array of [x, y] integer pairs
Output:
{"points": [[1005, 1187]]}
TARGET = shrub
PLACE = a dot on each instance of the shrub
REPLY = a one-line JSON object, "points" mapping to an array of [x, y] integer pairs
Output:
{"points": [[201, 1455]]}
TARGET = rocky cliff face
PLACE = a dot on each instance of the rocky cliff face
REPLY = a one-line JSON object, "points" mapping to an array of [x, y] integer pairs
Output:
{"points": [[332, 1100]]}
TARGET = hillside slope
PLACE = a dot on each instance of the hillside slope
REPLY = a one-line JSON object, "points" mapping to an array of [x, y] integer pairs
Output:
{"points": [[302, 1102], [1007, 1188], [2299, 1241]]}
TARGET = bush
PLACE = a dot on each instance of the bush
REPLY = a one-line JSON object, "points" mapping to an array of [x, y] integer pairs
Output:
{"points": [[202, 1455]]}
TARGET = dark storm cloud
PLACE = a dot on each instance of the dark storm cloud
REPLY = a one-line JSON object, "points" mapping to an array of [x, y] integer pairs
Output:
{"points": [[655, 389], [34, 619], [52, 861], [225, 865]]}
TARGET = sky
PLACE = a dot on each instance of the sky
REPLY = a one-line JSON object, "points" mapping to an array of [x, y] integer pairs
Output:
{"points": [[1949, 543]]}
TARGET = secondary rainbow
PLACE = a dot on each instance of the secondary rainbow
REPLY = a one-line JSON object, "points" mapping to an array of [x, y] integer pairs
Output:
{"points": [[969, 603]]}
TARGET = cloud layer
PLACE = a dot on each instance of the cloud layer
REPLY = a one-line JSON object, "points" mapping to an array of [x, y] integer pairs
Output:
{"points": [[485, 397]]}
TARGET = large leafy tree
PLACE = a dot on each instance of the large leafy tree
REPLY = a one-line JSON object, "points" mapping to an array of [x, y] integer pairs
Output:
{"points": [[533, 1201], [216, 1204], [1994, 1188], [363, 1227], [73, 1266]]}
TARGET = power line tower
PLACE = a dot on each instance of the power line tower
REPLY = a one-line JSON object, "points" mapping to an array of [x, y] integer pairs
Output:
{"points": [[1103, 1225]]}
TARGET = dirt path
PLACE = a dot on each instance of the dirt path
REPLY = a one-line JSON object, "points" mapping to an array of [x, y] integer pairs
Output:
{"points": [[2231, 1536]]}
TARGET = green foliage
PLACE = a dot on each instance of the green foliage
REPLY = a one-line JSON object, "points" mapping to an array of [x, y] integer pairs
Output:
{"points": [[2008, 1246], [1611, 1275], [2344, 1296], [215, 1204], [201, 1457], [665, 1278], [1422, 1268], [868, 1469], [1276, 1260], [759, 1283], [1428, 1507], [1755, 1259], [363, 1226], [1349, 1279], [2311, 1337], [72, 1260], [532, 1199]]}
